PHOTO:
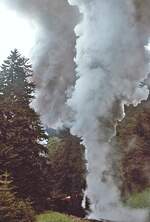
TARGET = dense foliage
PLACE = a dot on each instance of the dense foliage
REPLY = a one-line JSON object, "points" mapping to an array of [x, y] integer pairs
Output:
{"points": [[68, 171], [21, 133], [13, 209], [133, 140], [50, 177]]}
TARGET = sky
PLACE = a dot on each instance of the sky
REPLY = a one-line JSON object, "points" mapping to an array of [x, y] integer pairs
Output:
{"points": [[10, 23]]}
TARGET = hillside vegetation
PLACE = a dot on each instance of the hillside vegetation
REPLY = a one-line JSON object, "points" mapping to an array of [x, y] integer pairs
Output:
{"points": [[133, 141]]}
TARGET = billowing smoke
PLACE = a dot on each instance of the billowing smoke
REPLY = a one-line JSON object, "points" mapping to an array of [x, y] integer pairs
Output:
{"points": [[52, 55], [110, 64]]}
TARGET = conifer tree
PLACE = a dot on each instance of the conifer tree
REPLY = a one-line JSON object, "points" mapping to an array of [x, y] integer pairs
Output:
{"points": [[68, 172], [21, 132], [15, 76], [11, 208]]}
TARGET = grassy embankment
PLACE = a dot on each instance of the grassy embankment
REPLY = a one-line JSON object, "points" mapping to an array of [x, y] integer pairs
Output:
{"points": [[57, 217]]}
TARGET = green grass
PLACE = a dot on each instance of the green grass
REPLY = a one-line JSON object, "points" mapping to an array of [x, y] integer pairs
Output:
{"points": [[139, 200], [53, 217]]}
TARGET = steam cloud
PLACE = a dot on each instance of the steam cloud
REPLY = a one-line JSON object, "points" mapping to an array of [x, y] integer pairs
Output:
{"points": [[110, 63], [52, 55]]}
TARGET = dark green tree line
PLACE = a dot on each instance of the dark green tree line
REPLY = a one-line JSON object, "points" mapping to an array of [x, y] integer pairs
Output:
{"points": [[68, 172], [21, 132], [51, 177]]}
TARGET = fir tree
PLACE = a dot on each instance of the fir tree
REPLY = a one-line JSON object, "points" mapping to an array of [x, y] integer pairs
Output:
{"points": [[68, 172], [21, 132], [11, 208], [15, 78]]}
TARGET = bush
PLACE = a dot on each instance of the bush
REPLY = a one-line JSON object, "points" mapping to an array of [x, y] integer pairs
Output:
{"points": [[139, 200]]}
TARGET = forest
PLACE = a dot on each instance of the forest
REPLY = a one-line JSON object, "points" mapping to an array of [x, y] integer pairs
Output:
{"points": [[34, 177], [45, 170]]}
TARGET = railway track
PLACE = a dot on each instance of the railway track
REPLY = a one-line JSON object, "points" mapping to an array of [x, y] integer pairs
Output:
{"points": [[100, 220]]}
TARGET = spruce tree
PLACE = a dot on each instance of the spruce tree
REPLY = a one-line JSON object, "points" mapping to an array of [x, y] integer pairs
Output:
{"points": [[11, 208], [68, 172], [21, 132], [7, 200], [15, 79]]}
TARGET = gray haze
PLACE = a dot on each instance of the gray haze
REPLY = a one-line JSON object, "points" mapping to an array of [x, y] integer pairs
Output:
{"points": [[111, 61], [52, 55]]}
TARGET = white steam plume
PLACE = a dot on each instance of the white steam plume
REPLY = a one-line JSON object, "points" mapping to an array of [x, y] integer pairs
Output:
{"points": [[52, 55], [110, 64]]}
